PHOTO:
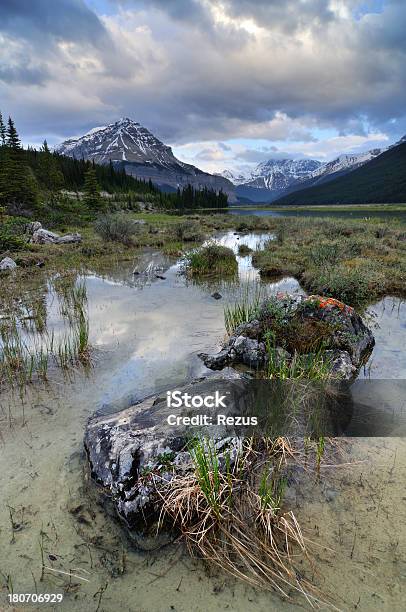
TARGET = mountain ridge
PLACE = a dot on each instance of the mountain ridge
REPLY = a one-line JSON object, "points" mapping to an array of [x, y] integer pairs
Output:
{"points": [[380, 180], [132, 146]]}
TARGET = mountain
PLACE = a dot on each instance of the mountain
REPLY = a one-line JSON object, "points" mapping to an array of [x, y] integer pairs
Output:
{"points": [[130, 145], [274, 178], [344, 163], [380, 180], [271, 178]]}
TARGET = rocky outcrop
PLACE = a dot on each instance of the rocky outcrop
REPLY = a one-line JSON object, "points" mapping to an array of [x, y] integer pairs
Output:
{"points": [[133, 452], [7, 264], [286, 326], [129, 449], [39, 235]]}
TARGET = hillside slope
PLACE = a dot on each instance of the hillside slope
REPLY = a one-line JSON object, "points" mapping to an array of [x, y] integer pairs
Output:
{"points": [[381, 180]]}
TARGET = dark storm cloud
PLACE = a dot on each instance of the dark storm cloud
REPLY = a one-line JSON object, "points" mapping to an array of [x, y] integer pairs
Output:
{"points": [[195, 70], [42, 19], [184, 10]]}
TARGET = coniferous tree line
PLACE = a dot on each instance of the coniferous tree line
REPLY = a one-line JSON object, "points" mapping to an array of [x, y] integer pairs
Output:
{"points": [[30, 177], [189, 198]]}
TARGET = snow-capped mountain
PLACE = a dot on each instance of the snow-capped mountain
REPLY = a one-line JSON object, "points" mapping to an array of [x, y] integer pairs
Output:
{"points": [[345, 162], [274, 174], [237, 178], [272, 178], [131, 145]]}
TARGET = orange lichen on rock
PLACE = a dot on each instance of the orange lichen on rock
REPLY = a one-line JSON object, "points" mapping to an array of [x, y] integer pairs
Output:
{"points": [[324, 302]]}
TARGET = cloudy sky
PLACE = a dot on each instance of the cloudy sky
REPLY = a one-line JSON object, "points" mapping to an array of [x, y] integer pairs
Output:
{"points": [[227, 83]]}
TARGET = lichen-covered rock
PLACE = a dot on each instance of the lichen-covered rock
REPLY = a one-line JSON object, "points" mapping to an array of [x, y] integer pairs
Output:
{"points": [[296, 324], [7, 264]]}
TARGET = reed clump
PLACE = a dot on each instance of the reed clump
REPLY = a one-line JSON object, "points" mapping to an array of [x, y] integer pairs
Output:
{"points": [[244, 308], [28, 351], [231, 512], [211, 259]]}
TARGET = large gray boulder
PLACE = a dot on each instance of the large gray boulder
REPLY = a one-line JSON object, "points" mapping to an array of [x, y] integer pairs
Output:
{"points": [[43, 236], [70, 239], [33, 227], [127, 450], [297, 324]]}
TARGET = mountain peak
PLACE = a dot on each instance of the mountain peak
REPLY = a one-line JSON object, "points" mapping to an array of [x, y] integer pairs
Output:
{"points": [[143, 155], [126, 121], [124, 140]]}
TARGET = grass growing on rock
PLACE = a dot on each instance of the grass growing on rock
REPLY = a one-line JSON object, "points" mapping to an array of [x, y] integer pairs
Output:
{"points": [[230, 511], [353, 261], [212, 259]]}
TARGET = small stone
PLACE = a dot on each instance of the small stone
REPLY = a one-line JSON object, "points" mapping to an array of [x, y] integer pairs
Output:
{"points": [[32, 227], [7, 264]]}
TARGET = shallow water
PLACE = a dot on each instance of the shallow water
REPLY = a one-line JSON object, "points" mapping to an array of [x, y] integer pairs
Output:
{"points": [[146, 333]]}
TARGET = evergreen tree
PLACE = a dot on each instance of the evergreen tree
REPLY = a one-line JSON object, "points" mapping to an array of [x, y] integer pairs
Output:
{"points": [[48, 171], [18, 186], [92, 190], [12, 139], [2, 131]]}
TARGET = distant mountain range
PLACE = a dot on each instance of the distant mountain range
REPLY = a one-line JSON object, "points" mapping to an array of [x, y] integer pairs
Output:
{"points": [[128, 144], [382, 180], [273, 178]]}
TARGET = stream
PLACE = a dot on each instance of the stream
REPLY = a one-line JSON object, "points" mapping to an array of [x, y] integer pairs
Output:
{"points": [[146, 331]]}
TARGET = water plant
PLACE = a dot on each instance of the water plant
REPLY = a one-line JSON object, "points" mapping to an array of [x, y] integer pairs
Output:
{"points": [[28, 352], [244, 249], [211, 259], [271, 489], [244, 308], [207, 467]]}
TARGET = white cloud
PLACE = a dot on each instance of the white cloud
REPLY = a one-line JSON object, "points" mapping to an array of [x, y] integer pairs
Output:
{"points": [[198, 73]]}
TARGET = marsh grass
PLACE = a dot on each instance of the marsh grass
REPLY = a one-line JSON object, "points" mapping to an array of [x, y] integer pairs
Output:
{"points": [[211, 260], [231, 514], [245, 306], [28, 353], [355, 261]]}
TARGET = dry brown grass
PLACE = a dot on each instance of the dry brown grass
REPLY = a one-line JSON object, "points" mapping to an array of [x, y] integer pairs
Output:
{"points": [[250, 534]]}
